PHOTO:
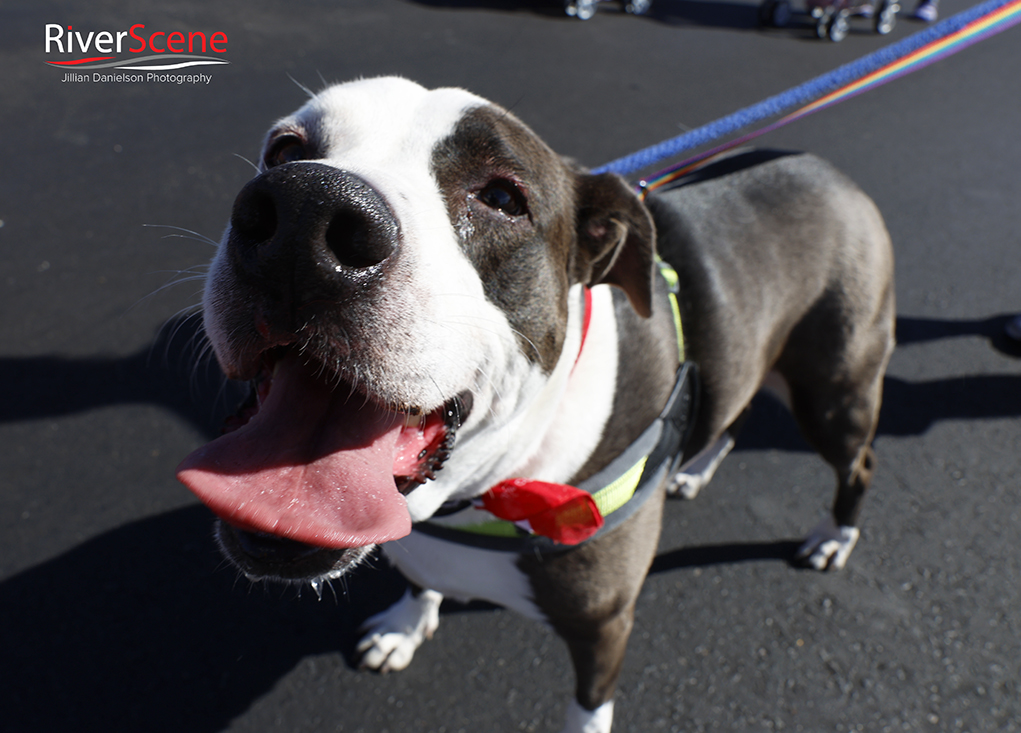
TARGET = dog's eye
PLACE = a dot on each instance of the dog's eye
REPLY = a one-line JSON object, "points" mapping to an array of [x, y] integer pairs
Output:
{"points": [[504, 196], [285, 149]]}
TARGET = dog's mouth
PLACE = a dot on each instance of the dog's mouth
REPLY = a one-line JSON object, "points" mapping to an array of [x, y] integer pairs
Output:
{"points": [[311, 463]]}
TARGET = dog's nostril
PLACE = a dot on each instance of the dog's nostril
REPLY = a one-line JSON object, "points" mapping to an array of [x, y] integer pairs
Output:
{"points": [[255, 217], [357, 241], [312, 219]]}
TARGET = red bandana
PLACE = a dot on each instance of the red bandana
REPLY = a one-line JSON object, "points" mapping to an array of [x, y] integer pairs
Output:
{"points": [[563, 513]]}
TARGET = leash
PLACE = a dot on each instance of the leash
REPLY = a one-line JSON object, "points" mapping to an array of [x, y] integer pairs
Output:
{"points": [[915, 52]]}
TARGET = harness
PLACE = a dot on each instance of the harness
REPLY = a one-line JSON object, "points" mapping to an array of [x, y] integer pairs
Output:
{"points": [[606, 499]]}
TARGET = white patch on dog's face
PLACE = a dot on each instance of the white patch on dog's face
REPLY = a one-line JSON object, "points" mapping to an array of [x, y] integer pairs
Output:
{"points": [[438, 327]]}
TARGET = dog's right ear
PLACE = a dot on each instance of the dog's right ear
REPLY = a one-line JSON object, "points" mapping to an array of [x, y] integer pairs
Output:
{"points": [[616, 238]]}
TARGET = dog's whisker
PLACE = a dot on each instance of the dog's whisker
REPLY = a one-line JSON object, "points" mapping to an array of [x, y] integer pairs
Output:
{"points": [[175, 279], [329, 584], [194, 236], [190, 277], [196, 272], [166, 337], [202, 239], [254, 166], [198, 351], [304, 88], [345, 588]]}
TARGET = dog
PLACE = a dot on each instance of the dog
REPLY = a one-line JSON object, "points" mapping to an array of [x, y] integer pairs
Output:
{"points": [[474, 353]]}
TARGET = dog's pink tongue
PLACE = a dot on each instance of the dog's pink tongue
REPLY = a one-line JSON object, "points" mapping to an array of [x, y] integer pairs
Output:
{"points": [[312, 465]]}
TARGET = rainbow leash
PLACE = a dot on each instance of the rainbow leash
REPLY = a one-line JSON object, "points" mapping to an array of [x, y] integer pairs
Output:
{"points": [[911, 54]]}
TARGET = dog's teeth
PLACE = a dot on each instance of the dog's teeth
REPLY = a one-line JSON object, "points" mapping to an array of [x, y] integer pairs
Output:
{"points": [[317, 586], [414, 421]]}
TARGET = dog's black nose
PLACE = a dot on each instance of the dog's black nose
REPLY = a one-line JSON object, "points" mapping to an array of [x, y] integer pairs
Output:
{"points": [[313, 224]]}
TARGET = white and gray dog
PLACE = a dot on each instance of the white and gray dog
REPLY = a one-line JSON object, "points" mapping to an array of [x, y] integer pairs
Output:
{"points": [[464, 348]]}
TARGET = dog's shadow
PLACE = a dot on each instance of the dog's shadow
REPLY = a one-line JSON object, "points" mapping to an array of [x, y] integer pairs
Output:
{"points": [[911, 408], [145, 628], [175, 372]]}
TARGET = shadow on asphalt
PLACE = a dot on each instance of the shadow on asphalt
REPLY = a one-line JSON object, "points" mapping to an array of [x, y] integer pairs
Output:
{"points": [[910, 408], [177, 373], [174, 371], [728, 554], [145, 628]]}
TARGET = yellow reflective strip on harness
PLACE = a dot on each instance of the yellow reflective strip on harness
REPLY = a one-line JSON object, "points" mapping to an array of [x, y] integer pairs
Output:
{"points": [[670, 275], [493, 528], [613, 497]]}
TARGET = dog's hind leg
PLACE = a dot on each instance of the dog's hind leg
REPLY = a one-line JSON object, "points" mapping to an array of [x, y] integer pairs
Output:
{"points": [[834, 369], [392, 636]]}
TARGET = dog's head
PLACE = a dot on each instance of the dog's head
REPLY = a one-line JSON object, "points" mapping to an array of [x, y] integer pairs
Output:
{"points": [[396, 285]]}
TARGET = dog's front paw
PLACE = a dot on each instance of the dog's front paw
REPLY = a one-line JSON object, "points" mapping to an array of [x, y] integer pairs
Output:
{"points": [[686, 485], [828, 546], [393, 635]]}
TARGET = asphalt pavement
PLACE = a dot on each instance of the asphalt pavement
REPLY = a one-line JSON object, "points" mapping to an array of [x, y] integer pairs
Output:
{"points": [[116, 612]]}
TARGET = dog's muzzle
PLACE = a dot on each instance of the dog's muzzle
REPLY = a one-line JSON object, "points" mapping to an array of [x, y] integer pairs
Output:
{"points": [[320, 457]]}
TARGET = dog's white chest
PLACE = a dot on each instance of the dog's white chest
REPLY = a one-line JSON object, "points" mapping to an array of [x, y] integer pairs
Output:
{"points": [[463, 572]]}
